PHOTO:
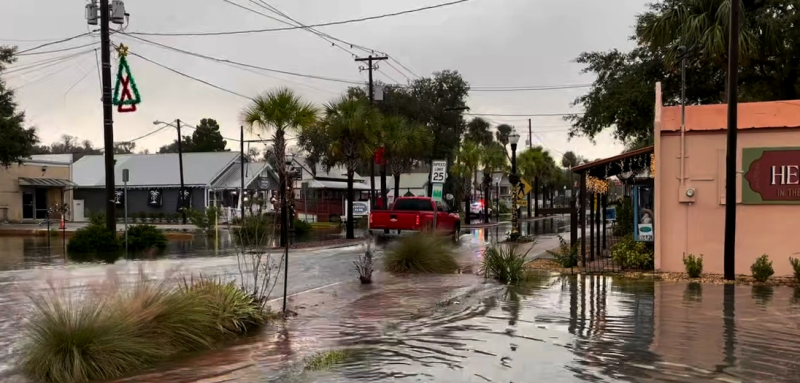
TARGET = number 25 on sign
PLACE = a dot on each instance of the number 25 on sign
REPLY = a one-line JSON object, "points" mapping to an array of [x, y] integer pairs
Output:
{"points": [[438, 171]]}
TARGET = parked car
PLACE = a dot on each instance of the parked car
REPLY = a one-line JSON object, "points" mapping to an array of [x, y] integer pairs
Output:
{"points": [[476, 209], [413, 214]]}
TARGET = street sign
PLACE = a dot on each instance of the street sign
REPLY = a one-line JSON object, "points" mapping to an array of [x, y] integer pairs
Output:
{"points": [[438, 171], [526, 186], [522, 202], [519, 192], [437, 192]]}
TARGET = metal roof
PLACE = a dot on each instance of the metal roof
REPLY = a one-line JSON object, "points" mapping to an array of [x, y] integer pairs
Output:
{"points": [[232, 177], [162, 170], [316, 184], [45, 182]]}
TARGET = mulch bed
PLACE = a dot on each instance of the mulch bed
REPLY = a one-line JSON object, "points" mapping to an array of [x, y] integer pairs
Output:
{"points": [[717, 279]]}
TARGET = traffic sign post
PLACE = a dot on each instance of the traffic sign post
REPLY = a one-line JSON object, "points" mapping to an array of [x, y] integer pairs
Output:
{"points": [[437, 192], [438, 176]]}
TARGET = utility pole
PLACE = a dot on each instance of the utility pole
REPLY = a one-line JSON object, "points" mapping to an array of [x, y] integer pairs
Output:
{"points": [[730, 162], [369, 59], [241, 174], [530, 144], [108, 117], [182, 198]]}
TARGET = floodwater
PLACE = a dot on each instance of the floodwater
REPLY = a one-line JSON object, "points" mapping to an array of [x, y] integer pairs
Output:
{"points": [[460, 328]]}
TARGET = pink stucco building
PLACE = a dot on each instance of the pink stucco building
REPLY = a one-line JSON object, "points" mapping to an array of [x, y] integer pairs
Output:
{"points": [[690, 184]]}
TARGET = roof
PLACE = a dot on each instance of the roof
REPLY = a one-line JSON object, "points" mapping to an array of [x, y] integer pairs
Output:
{"points": [[317, 184], [751, 115], [49, 159], [407, 180], [336, 172], [162, 170], [45, 182], [231, 178], [636, 160]]}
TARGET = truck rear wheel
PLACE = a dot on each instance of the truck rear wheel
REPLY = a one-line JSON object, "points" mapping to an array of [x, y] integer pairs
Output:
{"points": [[457, 232]]}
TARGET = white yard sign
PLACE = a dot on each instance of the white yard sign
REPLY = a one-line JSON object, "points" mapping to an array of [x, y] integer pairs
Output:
{"points": [[439, 172]]}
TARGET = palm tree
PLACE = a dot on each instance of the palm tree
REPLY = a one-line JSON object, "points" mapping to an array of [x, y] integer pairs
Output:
{"points": [[280, 111], [493, 159], [536, 164], [570, 160], [469, 158], [349, 124], [405, 143]]}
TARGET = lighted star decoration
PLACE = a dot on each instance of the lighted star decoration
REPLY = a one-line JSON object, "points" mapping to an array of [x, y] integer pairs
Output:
{"points": [[122, 50]]}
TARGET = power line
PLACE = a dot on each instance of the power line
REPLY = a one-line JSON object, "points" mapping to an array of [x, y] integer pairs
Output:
{"points": [[189, 76], [53, 73], [43, 63], [57, 50], [527, 88], [340, 22], [54, 42], [243, 64], [146, 135], [522, 115]]}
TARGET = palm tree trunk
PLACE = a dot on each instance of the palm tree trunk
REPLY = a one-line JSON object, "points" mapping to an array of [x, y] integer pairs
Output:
{"points": [[349, 212], [283, 181]]}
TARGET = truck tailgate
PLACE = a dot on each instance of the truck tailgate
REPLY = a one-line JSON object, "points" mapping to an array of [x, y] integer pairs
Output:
{"points": [[399, 220]]}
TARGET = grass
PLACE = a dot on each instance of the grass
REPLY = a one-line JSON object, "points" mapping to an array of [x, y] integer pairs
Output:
{"points": [[326, 359], [107, 336], [505, 264], [421, 253]]}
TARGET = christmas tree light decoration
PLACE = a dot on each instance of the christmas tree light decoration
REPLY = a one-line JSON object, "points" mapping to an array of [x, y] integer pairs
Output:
{"points": [[126, 85]]}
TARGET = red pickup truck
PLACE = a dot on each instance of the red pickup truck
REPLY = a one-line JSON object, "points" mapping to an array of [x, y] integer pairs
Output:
{"points": [[410, 214]]}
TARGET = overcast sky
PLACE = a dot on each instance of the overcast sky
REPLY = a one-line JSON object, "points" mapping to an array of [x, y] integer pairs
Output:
{"points": [[499, 43]]}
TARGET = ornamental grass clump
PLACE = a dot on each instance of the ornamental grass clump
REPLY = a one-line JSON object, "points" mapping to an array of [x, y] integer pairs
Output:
{"points": [[796, 267], [505, 264], [694, 265], [421, 253], [105, 336]]}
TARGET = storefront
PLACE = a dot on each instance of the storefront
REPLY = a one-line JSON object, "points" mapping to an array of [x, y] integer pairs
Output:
{"points": [[35, 190]]}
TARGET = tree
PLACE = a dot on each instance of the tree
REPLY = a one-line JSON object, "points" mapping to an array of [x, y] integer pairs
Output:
{"points": [[280, 111], [478, 130], [570, 160], [623, 93], [207, 138], [503, 131], [350, 122], [124, 147], [493, 159], [69, 145], [468, 160], [16, 142], [405, 144], [315, 142], [537, 164]]}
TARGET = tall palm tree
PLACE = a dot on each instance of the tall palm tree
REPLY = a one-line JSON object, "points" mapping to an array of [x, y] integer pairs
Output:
{"points": [[349, 123], [536, 164], [405, 143], [277, 112], [469, 157], [493, 159]]}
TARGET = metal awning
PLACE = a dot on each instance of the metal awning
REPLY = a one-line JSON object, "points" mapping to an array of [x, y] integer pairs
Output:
{"points": [[46, 182]]}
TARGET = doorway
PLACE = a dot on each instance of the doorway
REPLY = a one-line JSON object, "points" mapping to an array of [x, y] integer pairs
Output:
{"points": [[27, 205], [40, 202]]}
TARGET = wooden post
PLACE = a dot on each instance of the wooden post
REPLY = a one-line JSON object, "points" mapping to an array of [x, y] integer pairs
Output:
{"points": [[582, 216], [591, 226]]}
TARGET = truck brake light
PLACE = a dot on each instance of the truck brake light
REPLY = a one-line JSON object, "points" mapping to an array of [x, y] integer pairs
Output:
{"points": [[417, 219]]}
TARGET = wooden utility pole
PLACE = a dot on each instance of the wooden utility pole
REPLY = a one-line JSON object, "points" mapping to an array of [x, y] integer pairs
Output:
{"points": [[370, 67], [730, 162], [181, 196], [108, 117]]}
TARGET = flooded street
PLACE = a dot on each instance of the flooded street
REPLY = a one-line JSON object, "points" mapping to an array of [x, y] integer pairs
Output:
{"points": [[453, 328]]}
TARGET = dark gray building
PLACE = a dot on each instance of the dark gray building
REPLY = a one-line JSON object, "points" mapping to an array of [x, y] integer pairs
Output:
{"points": [[210, 179]]}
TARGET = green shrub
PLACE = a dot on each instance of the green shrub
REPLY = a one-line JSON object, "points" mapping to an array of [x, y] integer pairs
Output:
{"points": [[102, 338], [624, 224], [796, 266], [566, 255], [630, 254], [94, 239], [694, 265], [421, 253], [204, 220], [145, 237], [505, 208], [96, 218], [301, 227], [504, 264], [762, 268]]}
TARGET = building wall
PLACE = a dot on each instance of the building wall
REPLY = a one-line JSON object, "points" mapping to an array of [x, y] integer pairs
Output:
{"points": [[698, 227], [11, 192], [94, 201]]}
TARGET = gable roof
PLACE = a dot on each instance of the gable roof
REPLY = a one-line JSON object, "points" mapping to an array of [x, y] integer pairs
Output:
{"points": [[751, 115], [231, 178], [162, 170]]}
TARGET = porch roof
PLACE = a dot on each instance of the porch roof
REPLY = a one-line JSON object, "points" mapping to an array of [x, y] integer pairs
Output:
{"points": [[45, 182], [317, 184], [633, 161]]}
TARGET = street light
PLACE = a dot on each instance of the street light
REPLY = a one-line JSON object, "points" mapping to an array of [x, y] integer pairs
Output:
{"points": [[513, 139]]}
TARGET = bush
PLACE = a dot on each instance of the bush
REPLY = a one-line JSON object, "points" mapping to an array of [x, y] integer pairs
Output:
{"points": [[630, 254], [301, 227], [145, 237], [96, 218], [102, 338], [94, 239], [694, 265], [624, 224], [504, 264], [566, 255], [762, 268], [421, 253], [796, 266], [204, 221], [505, 208]]}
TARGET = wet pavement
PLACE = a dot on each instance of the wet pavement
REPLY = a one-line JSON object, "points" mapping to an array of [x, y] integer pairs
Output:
{"points": [[452, 328]]}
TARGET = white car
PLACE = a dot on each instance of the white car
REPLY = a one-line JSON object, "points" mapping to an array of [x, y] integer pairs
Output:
{"points": [[477, 209]]}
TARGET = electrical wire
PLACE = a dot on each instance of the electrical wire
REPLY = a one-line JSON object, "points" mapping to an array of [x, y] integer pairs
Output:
{"points": [[325, 24], [48, 75], [42, 63], [527, 88], [57, 50], [54, 42], [243, 64], [146, 135], [77, 82], [189, 76], [522, 115]]}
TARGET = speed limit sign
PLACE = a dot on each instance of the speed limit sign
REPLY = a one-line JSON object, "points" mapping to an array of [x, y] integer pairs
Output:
{"points": [[439, 171]]}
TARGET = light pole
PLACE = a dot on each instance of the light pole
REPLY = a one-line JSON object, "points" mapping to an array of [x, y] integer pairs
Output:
{"points": [[181, 199], [513, 139]]}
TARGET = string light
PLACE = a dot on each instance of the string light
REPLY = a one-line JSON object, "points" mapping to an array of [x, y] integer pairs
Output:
{"points": [[596, 185]]}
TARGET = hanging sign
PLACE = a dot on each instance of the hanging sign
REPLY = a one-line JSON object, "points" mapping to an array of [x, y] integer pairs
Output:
{"points": [[126, 93], [119, 197], [155, 197], [184, 198]]}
